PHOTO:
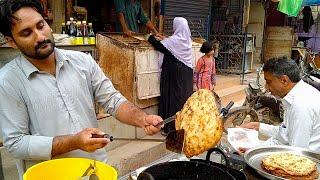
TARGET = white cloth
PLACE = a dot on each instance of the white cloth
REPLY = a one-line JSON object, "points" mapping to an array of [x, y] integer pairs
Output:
{"points": [[301, 125], [243, 138], [180, 43]]}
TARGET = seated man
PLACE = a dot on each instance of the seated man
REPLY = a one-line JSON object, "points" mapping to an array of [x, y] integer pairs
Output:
{"points": [[301, 125], [130, 14]]}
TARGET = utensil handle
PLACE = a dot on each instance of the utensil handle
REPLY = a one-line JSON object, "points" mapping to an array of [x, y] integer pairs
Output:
{"points": [[210, 151], [111, 138], [225, 110], [166, 121], [102, 136]]}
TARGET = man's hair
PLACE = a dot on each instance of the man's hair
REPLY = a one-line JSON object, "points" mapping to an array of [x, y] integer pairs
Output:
{"points": [[9, 7], [283, 66]]}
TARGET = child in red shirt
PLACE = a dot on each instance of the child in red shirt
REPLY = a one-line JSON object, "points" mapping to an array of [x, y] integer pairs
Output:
{"points": [[205, 71]]}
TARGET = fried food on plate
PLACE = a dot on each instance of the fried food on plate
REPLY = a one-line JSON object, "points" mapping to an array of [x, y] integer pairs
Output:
{"points": [[290, 166]]}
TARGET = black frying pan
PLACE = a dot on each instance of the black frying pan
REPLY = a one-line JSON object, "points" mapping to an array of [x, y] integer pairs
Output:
{"points": [[194, 169]]}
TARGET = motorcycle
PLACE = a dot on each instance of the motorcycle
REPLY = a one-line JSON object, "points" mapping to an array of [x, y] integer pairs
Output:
{"points": [[259, 106], [310, 69]]}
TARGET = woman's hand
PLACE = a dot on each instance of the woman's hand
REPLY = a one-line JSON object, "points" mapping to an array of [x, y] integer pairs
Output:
{"points": [[160, 37], [195, 88]]}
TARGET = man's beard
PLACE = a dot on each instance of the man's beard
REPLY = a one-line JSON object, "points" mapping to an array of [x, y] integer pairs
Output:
{"points": [[44, 55], [37, 54]]}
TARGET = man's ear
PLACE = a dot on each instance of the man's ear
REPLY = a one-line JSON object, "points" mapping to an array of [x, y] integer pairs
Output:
{"points": [[11, 42], [285, 80]]}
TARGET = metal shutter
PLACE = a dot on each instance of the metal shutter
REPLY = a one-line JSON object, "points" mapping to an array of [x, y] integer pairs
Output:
{"points": [[196, 12]]}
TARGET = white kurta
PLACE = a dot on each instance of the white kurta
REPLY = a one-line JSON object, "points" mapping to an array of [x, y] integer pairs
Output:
{"points": [[301, 125]]}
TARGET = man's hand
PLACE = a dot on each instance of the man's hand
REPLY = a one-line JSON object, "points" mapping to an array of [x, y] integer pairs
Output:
{"points": [[85, 141], [82, 140], [242, 150], [251, 125], [150, 124], [128, 32]]}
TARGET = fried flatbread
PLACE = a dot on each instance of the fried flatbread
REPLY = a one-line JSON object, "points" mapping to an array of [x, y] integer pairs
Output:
{"points": [[290, 166], [201, 121]]}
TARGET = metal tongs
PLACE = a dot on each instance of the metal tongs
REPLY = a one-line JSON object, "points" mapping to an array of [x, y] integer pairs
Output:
{"points": [[93, 175], [174, 140]]}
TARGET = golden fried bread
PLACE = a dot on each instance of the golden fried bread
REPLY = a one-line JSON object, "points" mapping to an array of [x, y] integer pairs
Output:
{"points": [[201, 121], [290, 166]]}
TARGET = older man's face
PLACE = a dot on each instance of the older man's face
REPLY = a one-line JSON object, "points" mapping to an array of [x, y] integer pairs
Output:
{"points": [[31, 34], [274, 84]]}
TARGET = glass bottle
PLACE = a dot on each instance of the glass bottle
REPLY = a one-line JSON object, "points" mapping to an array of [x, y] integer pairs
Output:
{"points": [[92, 36], [73, 30], [79, 37], [63, 28], [85, 32], [68, 27]]}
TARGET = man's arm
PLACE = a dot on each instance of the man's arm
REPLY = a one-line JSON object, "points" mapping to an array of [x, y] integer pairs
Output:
{"points": [[145, 20], [268, 130], [120, 10], [123, 24], [116, 104], [82, 140], [130, 114], [15, 126], [151, 27], [265, 129]]}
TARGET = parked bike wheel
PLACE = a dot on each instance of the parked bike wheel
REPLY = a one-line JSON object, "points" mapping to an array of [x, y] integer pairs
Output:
{"points": [[238, 115]]}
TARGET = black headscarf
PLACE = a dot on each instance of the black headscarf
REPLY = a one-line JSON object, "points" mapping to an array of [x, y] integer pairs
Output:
{"points": [[307, 18]]}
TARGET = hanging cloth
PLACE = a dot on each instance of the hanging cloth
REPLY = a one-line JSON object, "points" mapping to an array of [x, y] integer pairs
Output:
{"points": [[290, 7], [310, 2]]}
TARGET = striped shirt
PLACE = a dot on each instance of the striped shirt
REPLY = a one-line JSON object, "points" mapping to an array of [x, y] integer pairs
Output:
{"points": [[133, 13], [36, 106]]}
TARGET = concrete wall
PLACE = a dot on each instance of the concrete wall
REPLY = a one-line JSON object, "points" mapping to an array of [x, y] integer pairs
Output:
{"points": [[58, 10], [256, 27], [7, 54]]}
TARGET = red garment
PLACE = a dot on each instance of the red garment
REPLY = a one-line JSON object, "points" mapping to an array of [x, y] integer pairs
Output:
{"points": [[205, 72]]}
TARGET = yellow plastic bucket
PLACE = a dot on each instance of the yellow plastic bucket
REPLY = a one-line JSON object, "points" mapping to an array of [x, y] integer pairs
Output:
{"points": [[68, 169]]}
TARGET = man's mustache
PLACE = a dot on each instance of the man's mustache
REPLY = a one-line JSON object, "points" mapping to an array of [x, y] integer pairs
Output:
{"points": [[43, 43]]}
